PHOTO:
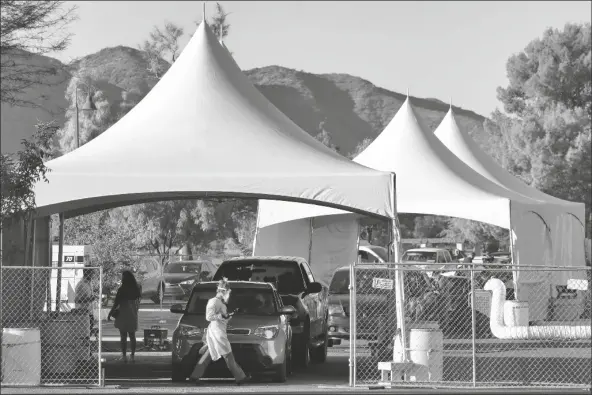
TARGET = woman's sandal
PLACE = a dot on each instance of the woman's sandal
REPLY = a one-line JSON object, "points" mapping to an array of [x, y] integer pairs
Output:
{"points": [[246, 379]]}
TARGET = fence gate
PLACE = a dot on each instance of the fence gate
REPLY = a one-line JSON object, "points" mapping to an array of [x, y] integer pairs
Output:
{"points": [[51, 325], [450, 344]]}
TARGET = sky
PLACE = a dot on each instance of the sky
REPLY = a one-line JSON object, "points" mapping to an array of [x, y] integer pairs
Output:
{"points": [[447, 50]]}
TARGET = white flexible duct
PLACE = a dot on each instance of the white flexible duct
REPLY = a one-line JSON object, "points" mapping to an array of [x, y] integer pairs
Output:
{"points": [[501, 331]]}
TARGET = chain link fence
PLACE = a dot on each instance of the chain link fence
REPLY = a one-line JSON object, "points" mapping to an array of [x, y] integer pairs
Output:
{"points": [[501, 342], [51, 326]]}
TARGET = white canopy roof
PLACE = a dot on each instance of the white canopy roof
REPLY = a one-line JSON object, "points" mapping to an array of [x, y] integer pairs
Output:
{"points": [[430, 179], [466, 149], [205, 130]]}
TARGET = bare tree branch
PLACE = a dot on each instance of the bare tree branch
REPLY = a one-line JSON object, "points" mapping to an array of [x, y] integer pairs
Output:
{"points": [[27, 28]]}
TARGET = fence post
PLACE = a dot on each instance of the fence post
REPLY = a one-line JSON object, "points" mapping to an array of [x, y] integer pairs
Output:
{"points": [[100, 332], [473, 325]]}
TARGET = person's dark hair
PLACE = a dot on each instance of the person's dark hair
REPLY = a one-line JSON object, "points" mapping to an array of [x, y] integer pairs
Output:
{"points": [[87, 274], [129, 286]]}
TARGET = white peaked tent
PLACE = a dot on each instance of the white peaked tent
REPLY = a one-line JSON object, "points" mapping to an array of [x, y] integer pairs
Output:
{"points": [[205, 130], [565, 218], [430, 180]]}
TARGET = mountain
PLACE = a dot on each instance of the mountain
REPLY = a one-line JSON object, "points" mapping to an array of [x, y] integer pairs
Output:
{"points": [[349, 108]]}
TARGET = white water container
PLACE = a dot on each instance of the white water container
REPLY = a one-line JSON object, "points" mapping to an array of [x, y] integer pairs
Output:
{"points": [[426, 349], [515, 313], [21, 356]]}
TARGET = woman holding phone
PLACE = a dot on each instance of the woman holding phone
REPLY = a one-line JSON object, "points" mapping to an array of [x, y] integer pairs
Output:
{"points": [[217, 342]]}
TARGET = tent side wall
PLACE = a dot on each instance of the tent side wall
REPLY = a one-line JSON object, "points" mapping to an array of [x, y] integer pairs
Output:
{"points": [[330, 242]]}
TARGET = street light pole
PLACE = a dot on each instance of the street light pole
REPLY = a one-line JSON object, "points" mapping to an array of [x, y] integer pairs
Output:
{"points": [[88, 106]]}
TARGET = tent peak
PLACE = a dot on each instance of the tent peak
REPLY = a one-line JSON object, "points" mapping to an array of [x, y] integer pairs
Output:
{"points": [[450, 101]]}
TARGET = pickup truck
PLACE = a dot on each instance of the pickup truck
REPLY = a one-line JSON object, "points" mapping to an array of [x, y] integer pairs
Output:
{"points": [[295, 283]]}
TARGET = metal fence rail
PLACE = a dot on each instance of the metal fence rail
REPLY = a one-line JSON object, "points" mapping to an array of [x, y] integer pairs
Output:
{"points": [[451, 344], [51, 326]]}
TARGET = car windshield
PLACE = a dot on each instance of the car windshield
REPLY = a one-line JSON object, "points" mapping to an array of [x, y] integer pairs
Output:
{"points": [[380, 251], [183, 267], [251, 301], [420, 256], [284, 275], [415, 282]]}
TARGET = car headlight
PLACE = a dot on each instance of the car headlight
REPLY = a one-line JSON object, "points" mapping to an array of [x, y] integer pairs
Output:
{"points": [[267, 332], [187, 282], [190, 330], [336, 309]]}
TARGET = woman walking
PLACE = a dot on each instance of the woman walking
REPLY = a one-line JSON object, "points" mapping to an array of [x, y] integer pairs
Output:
{"points": [[216, 340], [125, 311]]}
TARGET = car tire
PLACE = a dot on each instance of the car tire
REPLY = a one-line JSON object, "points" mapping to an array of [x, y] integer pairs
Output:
{"points": [[319, 354], [302, 352], [281, 374], [178, 373]]}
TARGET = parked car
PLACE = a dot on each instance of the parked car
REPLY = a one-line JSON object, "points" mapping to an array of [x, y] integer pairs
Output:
{"points": [[444, 299], [259, 333], [297, 287], [150, 278], [431, 259], [179, 277], [373, 305], [372, 254]]}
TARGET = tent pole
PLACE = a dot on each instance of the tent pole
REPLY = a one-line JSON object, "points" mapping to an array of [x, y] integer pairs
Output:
{"points": [[256, 230], [58, 296], [352, 313], [399, 275], [513, 255], [310, 240]]}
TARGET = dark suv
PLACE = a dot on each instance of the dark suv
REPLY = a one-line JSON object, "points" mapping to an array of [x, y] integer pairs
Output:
{"points": [[297, 287]]}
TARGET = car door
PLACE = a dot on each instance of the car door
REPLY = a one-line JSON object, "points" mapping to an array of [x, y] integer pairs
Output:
{"points": [[314, 304]]}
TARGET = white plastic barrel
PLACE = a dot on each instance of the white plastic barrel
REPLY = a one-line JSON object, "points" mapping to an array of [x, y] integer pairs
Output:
{"points": [[515, 313], [426, 349], [21, 356]]}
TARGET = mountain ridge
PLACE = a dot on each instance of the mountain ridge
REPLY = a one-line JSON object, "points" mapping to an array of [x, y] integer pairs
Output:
{"points": [[348, 108]]}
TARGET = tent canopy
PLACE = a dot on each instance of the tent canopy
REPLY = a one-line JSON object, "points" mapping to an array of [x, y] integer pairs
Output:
{"points": [[430, 179], [466, 149], [205, 130]]}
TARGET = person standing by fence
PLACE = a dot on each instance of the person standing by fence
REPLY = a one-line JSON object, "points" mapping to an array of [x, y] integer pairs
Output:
{"points": [[84, 295], [217, 344], [125, 311]]}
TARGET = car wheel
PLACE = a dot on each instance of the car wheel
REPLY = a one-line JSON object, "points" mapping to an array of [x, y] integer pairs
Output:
{"points": [[302, 351], [177, 373], [281, 374], [319, 354]]}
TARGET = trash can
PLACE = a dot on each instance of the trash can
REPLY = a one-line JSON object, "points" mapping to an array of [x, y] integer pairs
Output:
{"points": [[426, 349], [21, 356]]}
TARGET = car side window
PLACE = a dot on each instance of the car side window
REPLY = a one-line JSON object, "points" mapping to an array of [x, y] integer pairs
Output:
{"points": [[304, 274], [308, 273], [441, 258], [447, 257], [364, 257]]}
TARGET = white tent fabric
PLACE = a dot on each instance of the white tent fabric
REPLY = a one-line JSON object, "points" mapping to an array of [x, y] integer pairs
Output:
{"points": [[432, 180], [565, 218], [205, 130]]}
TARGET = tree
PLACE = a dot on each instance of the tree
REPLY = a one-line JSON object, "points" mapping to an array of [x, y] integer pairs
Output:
{"points": [[362, 145], [113, 246], [324, 137], [109, 111], [161, 45], [490, 237], [428, 226], [546, 137], [21, 171], [27, 28]]}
